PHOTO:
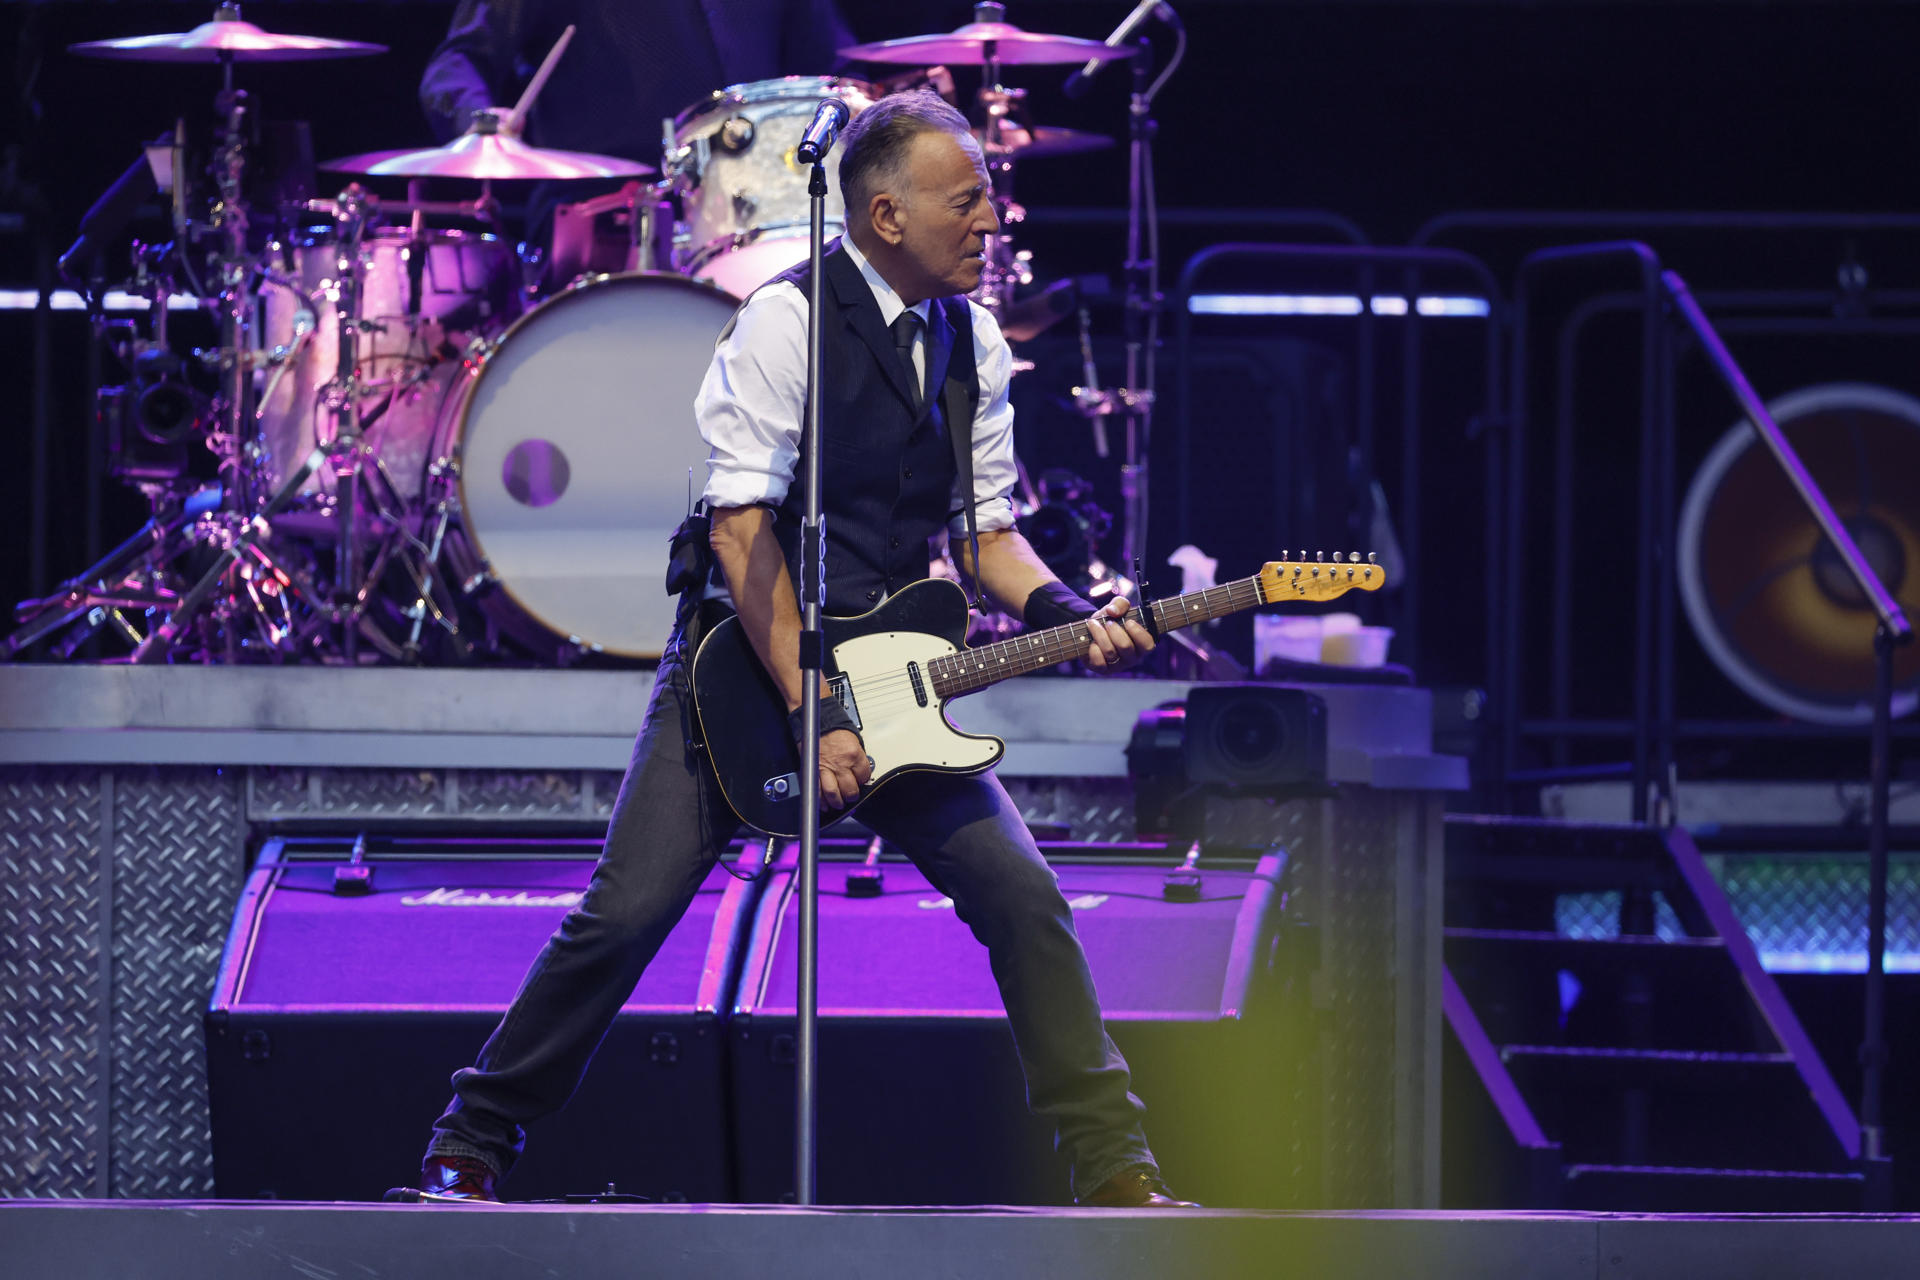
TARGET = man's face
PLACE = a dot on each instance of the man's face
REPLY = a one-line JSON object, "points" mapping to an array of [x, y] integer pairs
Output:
{"points": [[947, 213]]}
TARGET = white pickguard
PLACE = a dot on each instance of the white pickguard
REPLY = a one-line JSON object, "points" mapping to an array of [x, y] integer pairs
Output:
{"points": [[898, 732]]}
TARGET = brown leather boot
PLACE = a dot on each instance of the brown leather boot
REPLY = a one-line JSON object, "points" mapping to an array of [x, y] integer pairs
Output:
{"points": [[1135, 1187]]}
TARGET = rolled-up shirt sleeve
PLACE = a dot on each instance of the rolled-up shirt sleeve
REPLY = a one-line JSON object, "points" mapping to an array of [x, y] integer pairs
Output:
{"points": [[994, 468], [748, 408]]}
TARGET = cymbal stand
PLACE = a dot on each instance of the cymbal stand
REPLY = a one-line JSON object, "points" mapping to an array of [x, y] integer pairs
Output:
{"points": [[233, 515], [1142, 312], [235, 267], [1005, 270], [241, 543], [126, 579], [1134, 400], [425, 571], [341, 397]]}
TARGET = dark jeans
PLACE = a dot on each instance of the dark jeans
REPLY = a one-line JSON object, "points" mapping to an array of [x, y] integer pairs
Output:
{"points": [[670, 823]]}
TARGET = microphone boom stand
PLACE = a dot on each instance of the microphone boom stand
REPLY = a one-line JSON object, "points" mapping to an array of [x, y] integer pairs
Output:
{"points": [[1891, 628]]}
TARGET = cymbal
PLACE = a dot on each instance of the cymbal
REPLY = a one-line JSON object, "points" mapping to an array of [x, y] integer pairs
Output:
{"points": [[973, 45], [1018, 142], [226, 38], [499, 156]]}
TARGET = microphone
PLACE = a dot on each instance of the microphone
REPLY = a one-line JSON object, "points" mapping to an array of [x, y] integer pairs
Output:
{"points": [[829, 118], [1080, 81]]}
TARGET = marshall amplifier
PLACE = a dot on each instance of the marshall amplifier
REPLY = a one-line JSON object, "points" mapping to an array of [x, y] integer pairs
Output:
{"points": [[921, 1097], [351, 989]]}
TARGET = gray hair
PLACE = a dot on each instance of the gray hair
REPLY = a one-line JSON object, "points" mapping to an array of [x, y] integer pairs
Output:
{"points": [[876, 142]]}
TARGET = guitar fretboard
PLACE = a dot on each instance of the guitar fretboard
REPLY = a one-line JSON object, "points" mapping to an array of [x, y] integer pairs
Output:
{"points": [[973, 669]]}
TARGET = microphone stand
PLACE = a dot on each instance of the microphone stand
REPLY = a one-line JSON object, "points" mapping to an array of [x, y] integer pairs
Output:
{"points": [[813, 589]]}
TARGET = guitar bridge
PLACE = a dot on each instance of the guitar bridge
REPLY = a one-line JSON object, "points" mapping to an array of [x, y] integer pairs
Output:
{"points": [[842, 688]]}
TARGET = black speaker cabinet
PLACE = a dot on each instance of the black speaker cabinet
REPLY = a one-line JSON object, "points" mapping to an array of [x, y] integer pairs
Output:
{"points": [[1255, 735], [921, 1098], [338, 1020]]}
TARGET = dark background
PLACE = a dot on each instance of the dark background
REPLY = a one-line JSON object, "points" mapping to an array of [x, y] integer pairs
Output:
{"points": [[1388, 114]]}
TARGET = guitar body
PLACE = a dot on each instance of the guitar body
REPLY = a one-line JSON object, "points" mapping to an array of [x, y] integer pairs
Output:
{"points": [[871, 663]]}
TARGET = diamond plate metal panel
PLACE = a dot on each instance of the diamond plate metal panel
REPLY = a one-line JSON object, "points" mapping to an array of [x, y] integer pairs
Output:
{"points": [[178, 860], [495, 793], [51, 1007], [1089, 808], [350, 795], [362, 798], [1357, 920]]}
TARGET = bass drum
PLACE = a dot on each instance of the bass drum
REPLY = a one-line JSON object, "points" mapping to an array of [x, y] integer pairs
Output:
{"points": [[576, 453]]}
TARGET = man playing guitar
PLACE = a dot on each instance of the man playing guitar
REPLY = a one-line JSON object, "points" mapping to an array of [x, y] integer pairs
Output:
{"points": [[903, 351]]}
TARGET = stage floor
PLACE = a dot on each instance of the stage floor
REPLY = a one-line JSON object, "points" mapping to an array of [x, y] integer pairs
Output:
{"points": [[226, 1240]]}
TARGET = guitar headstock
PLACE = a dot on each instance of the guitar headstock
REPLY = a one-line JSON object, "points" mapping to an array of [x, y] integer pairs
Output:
{"points": [[1321, 578]]}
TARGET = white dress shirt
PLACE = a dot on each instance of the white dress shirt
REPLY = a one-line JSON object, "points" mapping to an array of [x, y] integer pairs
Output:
{"points": [[750, 406]]}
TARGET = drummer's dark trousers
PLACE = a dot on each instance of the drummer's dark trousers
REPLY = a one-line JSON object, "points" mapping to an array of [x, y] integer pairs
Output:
{"points": [[670, 824]]}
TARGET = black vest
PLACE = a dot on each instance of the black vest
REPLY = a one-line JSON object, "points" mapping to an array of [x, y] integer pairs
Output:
{"points": [[888, 467]]}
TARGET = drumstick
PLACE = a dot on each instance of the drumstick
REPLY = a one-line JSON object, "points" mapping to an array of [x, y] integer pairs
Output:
{"points": [[518, 116]]}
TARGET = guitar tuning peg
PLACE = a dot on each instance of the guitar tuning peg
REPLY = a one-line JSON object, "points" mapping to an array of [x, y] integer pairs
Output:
{"points": [[1373, 557], [1320, 557], [1353, 557]]}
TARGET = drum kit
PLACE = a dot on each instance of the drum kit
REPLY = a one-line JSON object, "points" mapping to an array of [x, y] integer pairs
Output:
{"points": [[433, 444]]}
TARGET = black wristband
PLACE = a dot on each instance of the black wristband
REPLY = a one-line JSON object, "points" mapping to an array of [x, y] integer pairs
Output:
{"points": [[833, 715], [1054, 604]]}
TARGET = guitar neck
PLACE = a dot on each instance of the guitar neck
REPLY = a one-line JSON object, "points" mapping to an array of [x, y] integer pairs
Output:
{"points": [[973, 669]]}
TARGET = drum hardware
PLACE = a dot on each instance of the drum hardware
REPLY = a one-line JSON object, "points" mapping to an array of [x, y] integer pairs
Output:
{"points": [[426, 571], [259, 589], [630, 229], [1135, 400]]}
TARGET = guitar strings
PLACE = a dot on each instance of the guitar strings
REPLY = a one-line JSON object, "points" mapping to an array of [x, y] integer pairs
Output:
{"points": [[892, 690]]}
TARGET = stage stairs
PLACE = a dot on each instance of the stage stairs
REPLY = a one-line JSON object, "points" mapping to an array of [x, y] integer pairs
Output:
{"points": [[1658, 1069]]}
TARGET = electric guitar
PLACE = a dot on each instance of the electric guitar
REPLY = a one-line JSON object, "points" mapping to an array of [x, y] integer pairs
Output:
{"points": [[896, 667]]}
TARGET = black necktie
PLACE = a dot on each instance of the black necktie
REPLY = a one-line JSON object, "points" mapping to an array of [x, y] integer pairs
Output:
{"points": [[904, 328]]}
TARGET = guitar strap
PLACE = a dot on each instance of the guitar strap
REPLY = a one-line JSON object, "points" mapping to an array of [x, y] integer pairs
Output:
{"points": [[955, 403]]}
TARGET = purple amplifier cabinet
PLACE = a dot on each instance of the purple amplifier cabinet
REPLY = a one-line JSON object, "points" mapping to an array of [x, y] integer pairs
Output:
{"points": [[338, 1019], [921, 1098]]}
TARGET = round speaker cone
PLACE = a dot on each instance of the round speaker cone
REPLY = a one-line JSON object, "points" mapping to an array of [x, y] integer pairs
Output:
{"points": [[1251, 739], [1767, 593]]}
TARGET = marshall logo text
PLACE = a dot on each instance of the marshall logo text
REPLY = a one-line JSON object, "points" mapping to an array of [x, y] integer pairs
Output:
{"points": [[481, 898]]}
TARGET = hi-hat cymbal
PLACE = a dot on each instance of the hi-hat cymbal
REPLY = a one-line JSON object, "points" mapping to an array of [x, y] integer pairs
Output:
{"points": [[1017, 142], [978, 42], [225, 39], [499, 156]]}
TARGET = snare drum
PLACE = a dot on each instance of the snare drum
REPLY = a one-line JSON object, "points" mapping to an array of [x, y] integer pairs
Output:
{"points": [[422, 300], [743, 194], [578, 457]]}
